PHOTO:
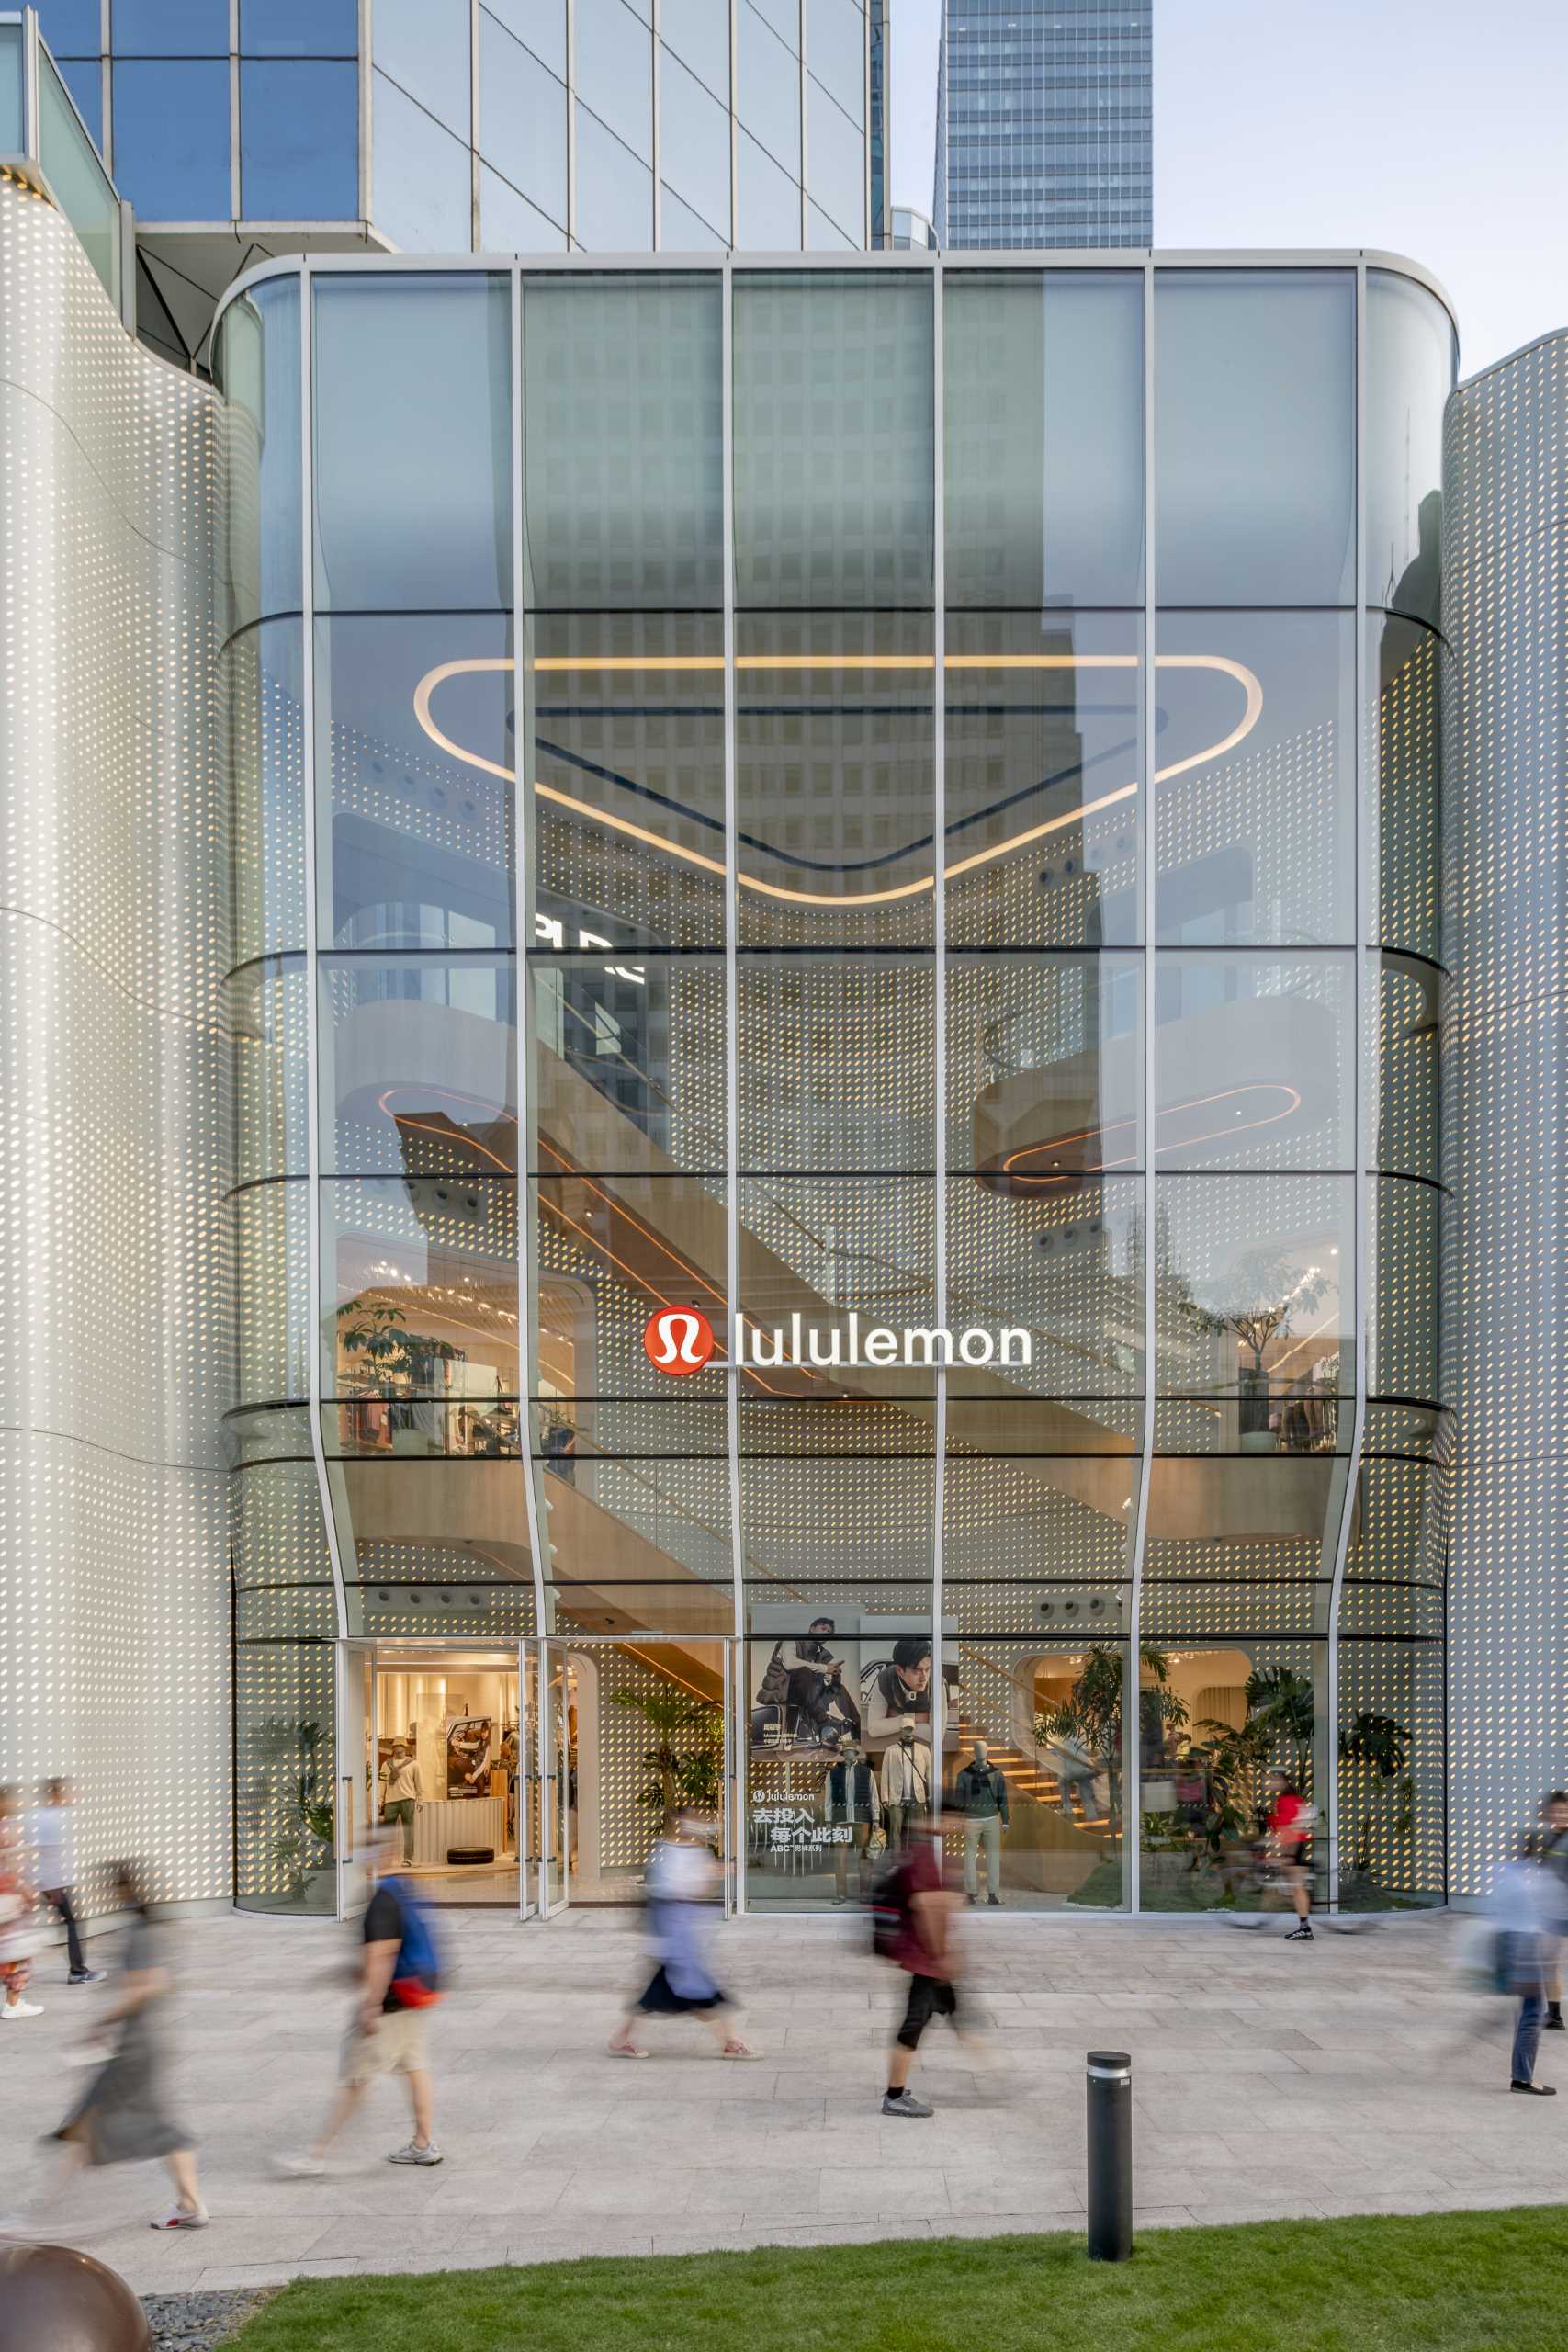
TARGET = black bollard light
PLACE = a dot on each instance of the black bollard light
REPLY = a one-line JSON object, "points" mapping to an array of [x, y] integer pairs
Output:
{"points": [[1109, 2102]]}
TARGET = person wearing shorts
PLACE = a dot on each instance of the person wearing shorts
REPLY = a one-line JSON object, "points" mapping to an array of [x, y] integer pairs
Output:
{"points": [[924, 1949], [387, 2033], [1290, 1836]]}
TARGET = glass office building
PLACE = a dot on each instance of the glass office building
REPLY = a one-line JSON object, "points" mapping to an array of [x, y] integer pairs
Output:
{"points": [[449, 126], [834, 987], [1044, 124]]}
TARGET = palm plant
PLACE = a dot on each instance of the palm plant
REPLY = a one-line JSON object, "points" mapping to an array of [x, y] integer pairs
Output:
{"points": [[1092, 1714], [685, 1764], [302, 1839]]}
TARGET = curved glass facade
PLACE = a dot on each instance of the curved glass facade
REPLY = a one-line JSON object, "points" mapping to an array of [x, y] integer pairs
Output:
{"points": [[974, 883]]}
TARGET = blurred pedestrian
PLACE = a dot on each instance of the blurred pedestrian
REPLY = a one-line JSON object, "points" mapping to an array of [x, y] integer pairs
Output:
{"points": [[683, 1883], [123, 2115], [913, 1929], [53, 1846], [400, 1983], [1522, 1909], [1291, 1822], [1554, 1855], [18, 1933]]}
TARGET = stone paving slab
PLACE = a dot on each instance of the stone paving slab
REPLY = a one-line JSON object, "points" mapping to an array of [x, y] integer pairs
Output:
{"points": [[1269, 2081]]}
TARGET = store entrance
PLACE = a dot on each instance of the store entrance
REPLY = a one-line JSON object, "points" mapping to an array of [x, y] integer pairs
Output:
{"points": [[445, 1737], [627, 1729]]}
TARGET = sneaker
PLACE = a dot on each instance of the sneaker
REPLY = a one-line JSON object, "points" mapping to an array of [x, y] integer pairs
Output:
{"points": [[299, 2166], [414, 2154], [85, 1976], [993, 1901], [1553, 2022], [903, 2103], [1301, 1935], [21, 2009], [177, 2218], [971, 1900], [1535, 2090]]}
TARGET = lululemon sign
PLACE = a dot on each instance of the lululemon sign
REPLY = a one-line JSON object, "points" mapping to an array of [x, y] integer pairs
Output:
{"points": [[678, 1340]]}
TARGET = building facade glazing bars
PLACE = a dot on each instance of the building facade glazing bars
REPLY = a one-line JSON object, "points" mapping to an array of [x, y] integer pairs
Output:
{"points": [[1202, 942]]}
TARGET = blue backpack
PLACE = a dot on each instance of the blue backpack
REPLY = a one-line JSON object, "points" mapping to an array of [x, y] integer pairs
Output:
{"points": [[416, 1973]]}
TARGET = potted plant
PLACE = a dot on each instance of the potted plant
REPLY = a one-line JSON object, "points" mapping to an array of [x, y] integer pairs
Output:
{"points": [[685, 1764]]}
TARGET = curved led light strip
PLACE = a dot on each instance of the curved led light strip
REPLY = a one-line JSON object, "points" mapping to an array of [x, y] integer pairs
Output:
{"points": [[1246, 679]]}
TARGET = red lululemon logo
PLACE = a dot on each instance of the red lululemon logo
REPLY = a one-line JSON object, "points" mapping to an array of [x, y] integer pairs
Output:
{"points": [[678, 1340]]}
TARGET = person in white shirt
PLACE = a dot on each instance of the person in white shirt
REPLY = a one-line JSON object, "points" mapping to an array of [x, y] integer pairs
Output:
{"points": [[51, 1837]]}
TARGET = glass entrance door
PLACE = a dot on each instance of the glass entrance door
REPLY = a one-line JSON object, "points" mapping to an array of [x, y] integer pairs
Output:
{"points": [[355, 1790], [626, 1733]]}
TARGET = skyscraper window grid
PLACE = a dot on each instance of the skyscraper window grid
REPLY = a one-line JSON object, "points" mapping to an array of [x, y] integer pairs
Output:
{"points": [[1044, 124]]}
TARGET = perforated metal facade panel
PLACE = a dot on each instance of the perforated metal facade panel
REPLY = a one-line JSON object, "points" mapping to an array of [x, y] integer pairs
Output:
{"points": [[115, 1290], [1506, 915]]}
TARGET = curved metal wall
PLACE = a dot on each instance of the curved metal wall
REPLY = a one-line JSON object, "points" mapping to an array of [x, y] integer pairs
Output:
{"points": [[1506, 1344], [115, 1284]]}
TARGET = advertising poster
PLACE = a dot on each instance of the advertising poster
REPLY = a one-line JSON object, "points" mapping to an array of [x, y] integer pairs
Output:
{"points": [[820, 1681], [805, 1682], [469, 1739]]}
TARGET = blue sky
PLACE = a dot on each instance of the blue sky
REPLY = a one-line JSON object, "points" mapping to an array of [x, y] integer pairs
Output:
{"points": [[1433, 128]]}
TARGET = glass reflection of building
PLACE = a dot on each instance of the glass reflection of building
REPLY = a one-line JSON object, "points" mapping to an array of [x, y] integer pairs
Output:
{"points": [[977, 868], [471, 126]]}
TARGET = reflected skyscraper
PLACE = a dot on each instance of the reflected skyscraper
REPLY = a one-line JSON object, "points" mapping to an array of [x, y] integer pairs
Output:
{"points": [[1043, 123]]}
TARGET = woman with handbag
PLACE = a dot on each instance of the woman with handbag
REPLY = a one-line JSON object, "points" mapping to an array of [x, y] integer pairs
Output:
{"points": [[19, 1937]]}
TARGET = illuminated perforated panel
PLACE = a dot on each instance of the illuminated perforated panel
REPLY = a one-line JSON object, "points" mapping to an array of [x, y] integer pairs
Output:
{"points": [[1505, 917], [115, 1282]]}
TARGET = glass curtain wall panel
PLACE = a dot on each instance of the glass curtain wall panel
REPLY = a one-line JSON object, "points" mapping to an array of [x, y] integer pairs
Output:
{"points": [[624, 711], [720, 950]]}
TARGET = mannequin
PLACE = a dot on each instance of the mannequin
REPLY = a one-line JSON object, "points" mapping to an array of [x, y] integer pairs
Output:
{"points": [[849, 1795], [980, 1794], [906, 1786]]}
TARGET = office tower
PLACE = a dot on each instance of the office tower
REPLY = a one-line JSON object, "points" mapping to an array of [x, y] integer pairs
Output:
{"points": [[1044, 124]]}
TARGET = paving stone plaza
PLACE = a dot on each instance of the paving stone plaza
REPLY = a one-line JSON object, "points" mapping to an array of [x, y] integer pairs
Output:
{"points": [[1352, 2076]]}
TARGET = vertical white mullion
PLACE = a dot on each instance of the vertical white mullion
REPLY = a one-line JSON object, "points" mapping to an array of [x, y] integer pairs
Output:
{"points": [[106, 85], [571, 126], [1361, 1254], [236, 193], [1132, 1784], [732, 1073], [804, 134], [865, 121], [655, 85], [315, 1335], [535, 1519], [939, 944], [366, 99], [733, 225], [475, 231]]}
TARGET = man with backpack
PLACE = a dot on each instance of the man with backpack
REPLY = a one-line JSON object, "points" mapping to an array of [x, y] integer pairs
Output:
{"points": [[399, 1983], [913, 1922]]}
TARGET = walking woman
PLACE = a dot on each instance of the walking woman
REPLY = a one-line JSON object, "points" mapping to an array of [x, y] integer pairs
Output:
{"points": [[122, 2116], [18, 1933], [682, 1878]]}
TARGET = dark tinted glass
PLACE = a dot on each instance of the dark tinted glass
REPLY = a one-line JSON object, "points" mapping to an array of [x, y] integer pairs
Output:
{"points": [[171, 28], [84, 80], [300, 142], [299, 28], [70, 27], [171, 140]]}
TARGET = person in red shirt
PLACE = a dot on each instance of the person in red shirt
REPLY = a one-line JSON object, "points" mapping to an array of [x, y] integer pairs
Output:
{"points": [[924, 1949], [1290, 1836]]}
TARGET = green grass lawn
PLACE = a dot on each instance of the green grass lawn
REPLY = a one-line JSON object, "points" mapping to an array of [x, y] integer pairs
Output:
{"points": [[1439, 2279]]}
